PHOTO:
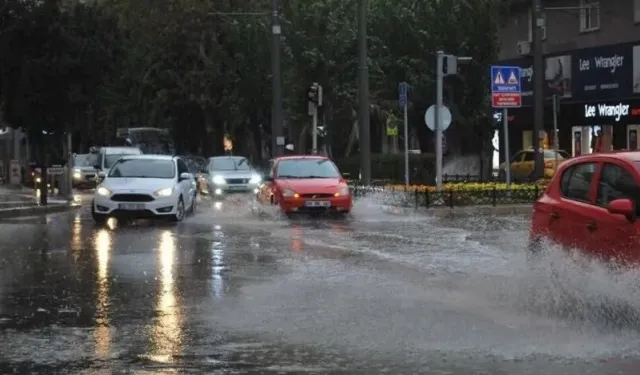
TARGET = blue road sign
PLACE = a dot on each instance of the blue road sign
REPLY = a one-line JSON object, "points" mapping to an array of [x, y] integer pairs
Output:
{"points": [[402, 94], [505, 79]]}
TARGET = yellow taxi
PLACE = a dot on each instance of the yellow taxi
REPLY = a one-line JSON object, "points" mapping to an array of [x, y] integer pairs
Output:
{"points": [[522, 163]]}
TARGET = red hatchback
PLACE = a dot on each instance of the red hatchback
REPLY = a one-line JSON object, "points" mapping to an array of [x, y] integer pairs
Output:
{"points": [[592, 204], [305, 184]]}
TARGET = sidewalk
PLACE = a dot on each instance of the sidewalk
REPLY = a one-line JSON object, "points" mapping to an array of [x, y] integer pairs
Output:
{"points": [[17, 201]]}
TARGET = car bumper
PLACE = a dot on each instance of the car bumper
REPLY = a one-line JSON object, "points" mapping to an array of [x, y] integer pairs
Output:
{"points": [[337, 204], [220, 190], [158, 207]]}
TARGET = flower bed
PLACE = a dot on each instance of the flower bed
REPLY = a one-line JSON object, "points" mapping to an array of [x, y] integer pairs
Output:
{"points": [[456, 194]]}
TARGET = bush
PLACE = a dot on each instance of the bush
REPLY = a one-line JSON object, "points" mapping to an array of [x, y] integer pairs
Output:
{"points": [[466, 194], [390, 167]]}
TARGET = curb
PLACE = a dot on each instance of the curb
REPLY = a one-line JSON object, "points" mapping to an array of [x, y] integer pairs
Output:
{"points": [[37, 210]]}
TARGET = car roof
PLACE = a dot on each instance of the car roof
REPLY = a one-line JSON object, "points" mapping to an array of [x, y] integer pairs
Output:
{"points": [[624, 155], [116, 150], [149, 156], [301, 157], [228, 157]]}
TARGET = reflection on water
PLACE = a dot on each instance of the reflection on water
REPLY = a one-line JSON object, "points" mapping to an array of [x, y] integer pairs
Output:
{"points": [[166, 334], [76, 236], [102, 332], [296, 239], [217, 256]]}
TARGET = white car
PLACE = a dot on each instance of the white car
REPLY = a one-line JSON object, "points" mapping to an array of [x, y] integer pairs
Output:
{"points": [[145, 186]]}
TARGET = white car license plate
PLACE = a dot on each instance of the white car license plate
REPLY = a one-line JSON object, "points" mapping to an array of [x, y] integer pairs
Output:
{"points": [[317, 204], [236, 188], [131, 206]]}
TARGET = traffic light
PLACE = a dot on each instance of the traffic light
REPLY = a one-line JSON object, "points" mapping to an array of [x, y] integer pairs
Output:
{"points": [[314, 94], [450, 65]]}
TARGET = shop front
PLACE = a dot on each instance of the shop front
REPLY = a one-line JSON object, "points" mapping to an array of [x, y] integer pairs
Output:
{"points": [[599, 100]]}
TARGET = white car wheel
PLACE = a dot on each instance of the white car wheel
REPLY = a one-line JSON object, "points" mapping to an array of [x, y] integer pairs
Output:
{"points": [[179, 215]]}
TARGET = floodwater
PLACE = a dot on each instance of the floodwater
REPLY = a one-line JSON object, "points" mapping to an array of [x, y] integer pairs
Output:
{"points": [[240, 289]]}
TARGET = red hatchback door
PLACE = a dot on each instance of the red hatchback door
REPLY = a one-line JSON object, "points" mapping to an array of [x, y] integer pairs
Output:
{"points": [[615, 236]]}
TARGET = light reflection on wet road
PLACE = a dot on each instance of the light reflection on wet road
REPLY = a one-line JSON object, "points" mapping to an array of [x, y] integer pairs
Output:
{"points": [[237, 291]]}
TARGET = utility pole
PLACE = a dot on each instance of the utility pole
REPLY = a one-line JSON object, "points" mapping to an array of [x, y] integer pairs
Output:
{"points": [[438, 117], [538, 86], [277, 133], [363, 95]]}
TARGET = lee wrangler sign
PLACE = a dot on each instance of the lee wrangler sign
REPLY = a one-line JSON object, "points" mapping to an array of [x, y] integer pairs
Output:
{"points": [[608, 112], [603, 72]]}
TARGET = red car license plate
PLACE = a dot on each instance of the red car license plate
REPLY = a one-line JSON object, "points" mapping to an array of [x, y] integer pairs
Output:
{"points": [[317, 203]]}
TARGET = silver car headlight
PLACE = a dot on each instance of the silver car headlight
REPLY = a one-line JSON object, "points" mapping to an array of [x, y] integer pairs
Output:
{"points": [[255, 179], [218, 180]]}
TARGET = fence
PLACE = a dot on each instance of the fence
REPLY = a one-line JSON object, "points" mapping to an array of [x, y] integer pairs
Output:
{"points": [[451, 198]]}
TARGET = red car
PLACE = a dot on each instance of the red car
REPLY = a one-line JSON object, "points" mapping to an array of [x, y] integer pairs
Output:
{"points": [[592, 204], [305, 184]]}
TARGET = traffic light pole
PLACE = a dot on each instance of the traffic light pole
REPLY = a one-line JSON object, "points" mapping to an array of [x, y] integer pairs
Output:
{"points": [[277, 133], [363, 95], [314, 147]]}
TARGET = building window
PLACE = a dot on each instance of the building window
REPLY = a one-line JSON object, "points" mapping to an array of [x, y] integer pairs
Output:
{"points": [[636, 11], [589, 15], [544, 25]]}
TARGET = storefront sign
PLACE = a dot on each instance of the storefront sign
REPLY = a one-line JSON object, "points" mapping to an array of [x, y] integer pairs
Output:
{"points": [[603, 72], [616, 111]]}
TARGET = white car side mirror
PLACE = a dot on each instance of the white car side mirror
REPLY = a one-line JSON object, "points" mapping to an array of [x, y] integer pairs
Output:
{"points": [[185, 176]]}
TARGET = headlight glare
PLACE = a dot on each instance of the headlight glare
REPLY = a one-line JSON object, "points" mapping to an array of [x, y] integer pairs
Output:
{"points": [[343, 191], [164, 192], [103, 191], [288, 193], [218, 180], [255, 179]]}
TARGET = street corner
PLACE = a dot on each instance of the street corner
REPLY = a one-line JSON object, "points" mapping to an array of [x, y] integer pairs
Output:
{"points": [[503, 210], [36, 210]]}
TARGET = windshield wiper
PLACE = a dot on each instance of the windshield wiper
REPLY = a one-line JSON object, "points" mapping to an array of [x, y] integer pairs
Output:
{"points": [[287, 176], [312, 176]]}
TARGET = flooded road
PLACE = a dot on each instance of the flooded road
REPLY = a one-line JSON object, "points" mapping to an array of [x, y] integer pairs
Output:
{"points": [[235, 291]]}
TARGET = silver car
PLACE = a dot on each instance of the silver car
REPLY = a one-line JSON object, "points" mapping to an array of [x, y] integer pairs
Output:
{"points": [[84, 172], [230, 174]]}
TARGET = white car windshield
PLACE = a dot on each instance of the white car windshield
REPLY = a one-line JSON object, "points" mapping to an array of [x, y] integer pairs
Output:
{"points": [[143, 168], [307, 168], [85, 160]]}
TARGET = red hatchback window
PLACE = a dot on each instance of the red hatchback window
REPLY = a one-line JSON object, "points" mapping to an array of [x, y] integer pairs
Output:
{"points": [[576, 182], [616, 183]]}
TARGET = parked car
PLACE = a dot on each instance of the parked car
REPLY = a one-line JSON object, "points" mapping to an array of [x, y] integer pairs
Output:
{"points": [[522, 163], [592, 204], [145, 186], [307, 184]]}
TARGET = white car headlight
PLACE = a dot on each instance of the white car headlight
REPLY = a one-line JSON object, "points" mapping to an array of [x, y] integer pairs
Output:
{"points": [[343, 191], [255, 179], [76, 171], [218, 180], [103, 191], [288, 193], [164, 192]]}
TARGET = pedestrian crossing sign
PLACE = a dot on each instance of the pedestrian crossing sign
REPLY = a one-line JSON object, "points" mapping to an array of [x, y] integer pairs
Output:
{"points": [[499, 80], [505, 79], [512, 78]]}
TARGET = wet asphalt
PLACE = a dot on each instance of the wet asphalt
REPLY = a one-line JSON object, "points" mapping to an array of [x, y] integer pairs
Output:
{"points": [[239, 290]]}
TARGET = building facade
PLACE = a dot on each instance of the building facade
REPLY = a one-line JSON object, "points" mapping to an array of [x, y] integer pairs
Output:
{"points": [[591, 65]]}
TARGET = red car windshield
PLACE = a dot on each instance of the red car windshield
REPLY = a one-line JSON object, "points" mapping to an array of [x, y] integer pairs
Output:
{"points": [[307, 168]]}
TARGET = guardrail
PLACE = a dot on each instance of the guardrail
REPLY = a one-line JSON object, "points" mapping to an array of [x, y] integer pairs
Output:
{"points": [[450, 198]]}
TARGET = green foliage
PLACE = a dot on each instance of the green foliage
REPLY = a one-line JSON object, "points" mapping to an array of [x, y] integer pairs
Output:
{"points": [[202, 68]]}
